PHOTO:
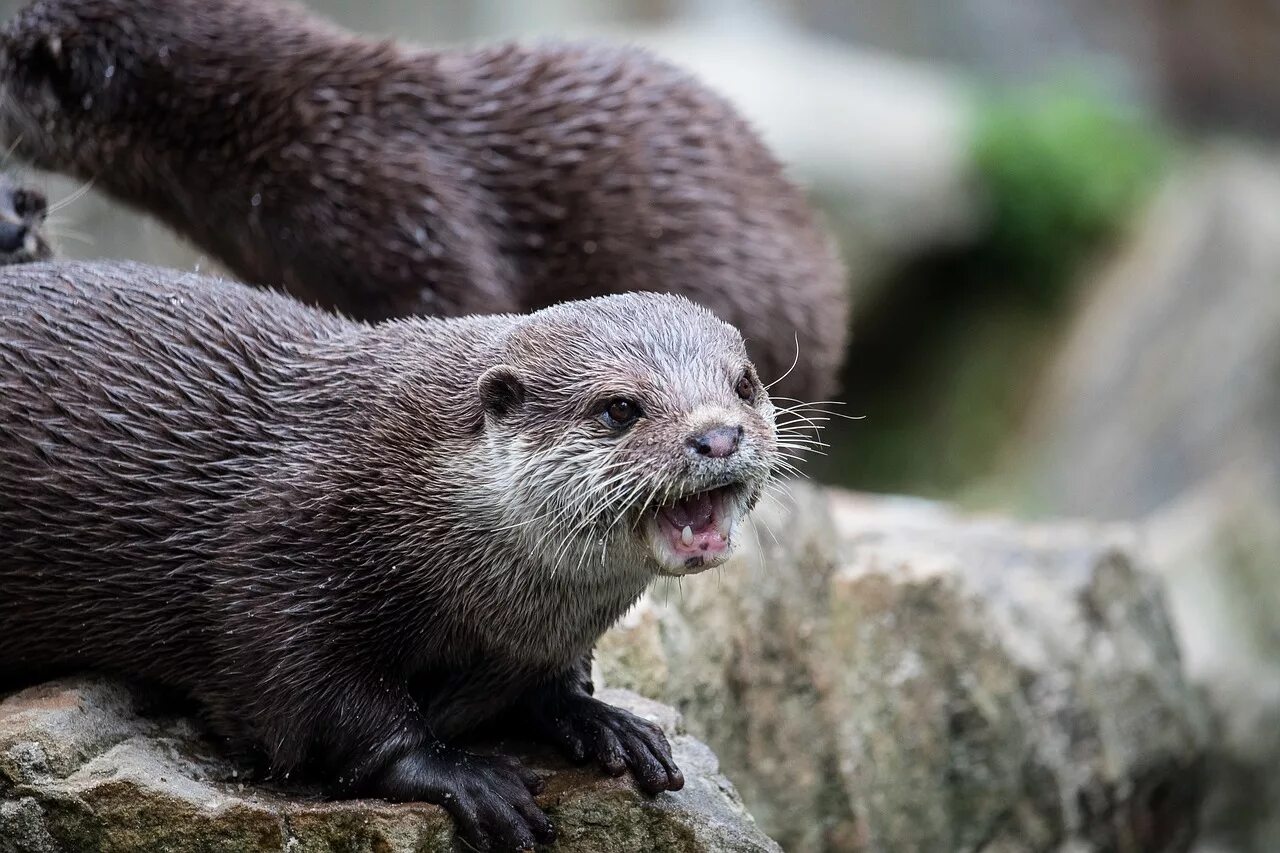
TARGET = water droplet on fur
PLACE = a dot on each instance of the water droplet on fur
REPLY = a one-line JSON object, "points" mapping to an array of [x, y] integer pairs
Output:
{"points": [[86, 101], [256, 200], [109, 72]]}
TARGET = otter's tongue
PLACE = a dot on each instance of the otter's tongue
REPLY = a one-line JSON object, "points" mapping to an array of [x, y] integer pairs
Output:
{"points": [[691, 526]]}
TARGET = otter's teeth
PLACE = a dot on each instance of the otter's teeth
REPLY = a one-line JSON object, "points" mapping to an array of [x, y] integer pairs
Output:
{"points": [[686, 535]]}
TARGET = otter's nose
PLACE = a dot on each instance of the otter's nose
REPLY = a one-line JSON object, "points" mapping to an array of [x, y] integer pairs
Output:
{"points": [[12, 236], [717, 443]]}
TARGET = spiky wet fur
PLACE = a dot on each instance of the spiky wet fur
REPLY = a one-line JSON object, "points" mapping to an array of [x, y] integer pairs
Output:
{"points": [[351, 543]]}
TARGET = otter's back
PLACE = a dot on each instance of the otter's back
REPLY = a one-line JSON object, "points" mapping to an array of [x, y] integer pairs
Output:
{"points": [[133, 401]]}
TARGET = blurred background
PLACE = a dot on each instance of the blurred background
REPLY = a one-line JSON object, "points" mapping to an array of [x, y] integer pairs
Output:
{"points": [[1061, 220]]}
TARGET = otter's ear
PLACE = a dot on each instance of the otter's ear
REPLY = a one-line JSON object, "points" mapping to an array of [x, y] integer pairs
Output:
{"points": [[501, 390]]}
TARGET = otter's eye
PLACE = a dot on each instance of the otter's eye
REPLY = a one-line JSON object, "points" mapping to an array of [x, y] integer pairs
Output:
{"points": [[620, 413], [746, 388]]}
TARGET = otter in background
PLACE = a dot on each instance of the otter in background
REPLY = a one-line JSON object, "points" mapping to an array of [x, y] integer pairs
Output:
{"points": [[385, 180]]}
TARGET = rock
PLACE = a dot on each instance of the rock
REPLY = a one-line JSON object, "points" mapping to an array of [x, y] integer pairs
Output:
{"points": [[1218, 547], [1163, 404], [81, 768], [1167, 375], [1032, 668], [899, 677]]}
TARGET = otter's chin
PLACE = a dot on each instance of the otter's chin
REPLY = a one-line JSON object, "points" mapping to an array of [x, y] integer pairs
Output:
{"points": [[696, 532]]}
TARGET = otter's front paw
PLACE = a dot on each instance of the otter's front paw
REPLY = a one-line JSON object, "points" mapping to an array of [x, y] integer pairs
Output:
{"points": [[489, 797], [590, 730]]}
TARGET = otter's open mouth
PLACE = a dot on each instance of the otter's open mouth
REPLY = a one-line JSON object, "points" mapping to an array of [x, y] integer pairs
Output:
{"points": [[695, 532]]}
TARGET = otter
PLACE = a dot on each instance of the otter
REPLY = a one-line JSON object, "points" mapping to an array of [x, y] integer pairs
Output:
{"points": [[385, 180], [355, 543], [22, 216]]}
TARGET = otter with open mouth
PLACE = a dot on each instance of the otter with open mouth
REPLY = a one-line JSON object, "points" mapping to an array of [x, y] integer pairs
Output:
{"points": [[354, 544]]}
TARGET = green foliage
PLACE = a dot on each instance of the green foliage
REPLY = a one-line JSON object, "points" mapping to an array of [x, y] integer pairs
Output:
{"points": [[1063, 170]]}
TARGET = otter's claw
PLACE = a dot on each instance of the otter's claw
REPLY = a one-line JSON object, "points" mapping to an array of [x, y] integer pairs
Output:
{"points": [[590, 730], [489, 797]]}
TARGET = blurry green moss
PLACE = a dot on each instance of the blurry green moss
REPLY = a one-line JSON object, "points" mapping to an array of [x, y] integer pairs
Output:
{"points": [[1062, 170]]}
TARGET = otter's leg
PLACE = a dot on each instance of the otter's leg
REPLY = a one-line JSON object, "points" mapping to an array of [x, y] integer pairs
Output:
{"points": [[565, 713], [372, 740]]}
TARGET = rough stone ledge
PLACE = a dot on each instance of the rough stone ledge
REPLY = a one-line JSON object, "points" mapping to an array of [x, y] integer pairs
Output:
{"points": [[81, 769], [884, 674]]}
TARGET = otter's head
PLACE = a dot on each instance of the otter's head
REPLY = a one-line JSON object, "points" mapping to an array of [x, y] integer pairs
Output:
{"points": [[632, 428], [22, 215], [57, 76], [104, 88]]}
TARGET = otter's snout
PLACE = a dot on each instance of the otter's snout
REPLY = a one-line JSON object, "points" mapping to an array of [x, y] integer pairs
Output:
{"points": [[718, 443]]}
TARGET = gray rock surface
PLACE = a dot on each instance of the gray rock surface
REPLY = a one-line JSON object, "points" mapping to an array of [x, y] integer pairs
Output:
{"points": [[1168, 374], [1165, 402], [893, 676], [82, 770], [1218, 548]]}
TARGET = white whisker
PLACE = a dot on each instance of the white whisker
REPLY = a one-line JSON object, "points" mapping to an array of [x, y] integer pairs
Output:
{"points": [[794, 362]]}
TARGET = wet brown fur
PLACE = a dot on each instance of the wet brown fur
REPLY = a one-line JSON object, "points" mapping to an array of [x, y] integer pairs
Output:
{"points": [[346, 539]]}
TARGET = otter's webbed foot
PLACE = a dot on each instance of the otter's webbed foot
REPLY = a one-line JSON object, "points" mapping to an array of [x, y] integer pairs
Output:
{"points": [[489, 797], [587, 729]]}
